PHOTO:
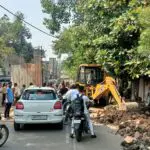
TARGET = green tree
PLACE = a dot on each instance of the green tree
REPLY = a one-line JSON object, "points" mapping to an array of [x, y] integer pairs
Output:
{"points": [[5, 39], [21, 33], [144, 42], [106, 32], [60, 13], [14, 35]]}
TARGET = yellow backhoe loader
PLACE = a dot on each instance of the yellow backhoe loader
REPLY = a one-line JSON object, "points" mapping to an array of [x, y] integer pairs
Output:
{"points": [[98, 84]]}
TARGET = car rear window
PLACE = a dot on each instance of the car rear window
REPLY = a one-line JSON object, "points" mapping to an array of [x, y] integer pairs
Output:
{"points": [[39, 95]]}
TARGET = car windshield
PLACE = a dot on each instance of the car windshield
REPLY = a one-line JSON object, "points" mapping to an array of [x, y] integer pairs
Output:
{"points": [[39, 95]]}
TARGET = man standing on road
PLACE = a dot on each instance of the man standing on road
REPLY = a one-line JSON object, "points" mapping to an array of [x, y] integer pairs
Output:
{"points": [[16, 92], [9, 100], [4, 89], [63, 89], [23, 88], [31, 84]]}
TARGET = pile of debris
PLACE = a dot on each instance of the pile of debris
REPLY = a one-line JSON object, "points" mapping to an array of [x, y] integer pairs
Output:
{"points": [[130, 143], [133, 125]]}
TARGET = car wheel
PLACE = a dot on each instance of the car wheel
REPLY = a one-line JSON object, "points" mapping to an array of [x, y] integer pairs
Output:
{"points": [[16, 126], [60, 125]]}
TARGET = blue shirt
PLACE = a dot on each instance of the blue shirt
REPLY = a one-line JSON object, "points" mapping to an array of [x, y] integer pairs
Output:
{"points": [[10, 95]]}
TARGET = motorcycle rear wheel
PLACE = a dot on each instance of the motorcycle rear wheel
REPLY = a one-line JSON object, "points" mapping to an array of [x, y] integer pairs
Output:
{"points": [[4, 133]]}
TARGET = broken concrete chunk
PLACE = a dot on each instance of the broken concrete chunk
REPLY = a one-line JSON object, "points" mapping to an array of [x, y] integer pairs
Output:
{"points": [[137, 135], [129, 139]]}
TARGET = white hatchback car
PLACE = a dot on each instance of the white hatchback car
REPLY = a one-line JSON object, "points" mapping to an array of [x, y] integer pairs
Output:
{"points": [[38, 105]]}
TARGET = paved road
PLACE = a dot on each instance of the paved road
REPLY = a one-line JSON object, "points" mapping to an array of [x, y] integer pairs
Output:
{"points": [[48, 137]]}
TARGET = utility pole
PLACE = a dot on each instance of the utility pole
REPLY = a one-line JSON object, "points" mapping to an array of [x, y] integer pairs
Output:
{"points": [[41, 64]]}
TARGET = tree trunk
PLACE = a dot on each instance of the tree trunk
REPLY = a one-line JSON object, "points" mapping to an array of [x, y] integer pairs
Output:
{"points": [[134, 90]]}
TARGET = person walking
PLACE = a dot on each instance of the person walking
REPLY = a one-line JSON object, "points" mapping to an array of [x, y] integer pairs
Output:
{"points": [[16, 92], [68, 85], [50, 84], [23, 88], [4, 89], [9, 100], [44, 84], [63, 89], [31, 84]]}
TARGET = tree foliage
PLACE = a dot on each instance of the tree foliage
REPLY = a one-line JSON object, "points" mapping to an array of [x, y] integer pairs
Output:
{"points": [[113, 33], [60, 13], [5, 38], [144, 42], [21, 34], [13, 37]]}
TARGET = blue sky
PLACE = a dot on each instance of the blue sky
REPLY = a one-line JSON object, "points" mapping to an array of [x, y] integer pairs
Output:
{"points": [[32, 11]]}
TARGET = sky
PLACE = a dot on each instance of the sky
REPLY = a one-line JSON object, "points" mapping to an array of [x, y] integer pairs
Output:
{"points": [[32, 11]]}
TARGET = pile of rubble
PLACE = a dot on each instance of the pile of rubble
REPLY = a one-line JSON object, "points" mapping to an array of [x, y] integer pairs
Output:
{"points": [[134, 126], [130, 143]]}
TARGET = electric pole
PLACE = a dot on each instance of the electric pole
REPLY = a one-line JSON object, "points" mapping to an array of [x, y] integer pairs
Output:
{"points": [[41, 64]]}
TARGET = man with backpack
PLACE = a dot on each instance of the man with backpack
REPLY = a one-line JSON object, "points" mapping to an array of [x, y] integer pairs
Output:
{"points": [[85, 101]]}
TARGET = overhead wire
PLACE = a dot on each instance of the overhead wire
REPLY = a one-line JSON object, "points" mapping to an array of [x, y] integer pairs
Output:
{"points": [[27, 22]]}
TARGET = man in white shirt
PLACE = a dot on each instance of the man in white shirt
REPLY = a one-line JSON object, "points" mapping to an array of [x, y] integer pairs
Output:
{"points": [[71, 94]]}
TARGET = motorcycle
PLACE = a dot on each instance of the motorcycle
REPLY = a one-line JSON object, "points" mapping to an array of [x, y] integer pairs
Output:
{"points": [[79, 121], [4, 133], [80, 126]]}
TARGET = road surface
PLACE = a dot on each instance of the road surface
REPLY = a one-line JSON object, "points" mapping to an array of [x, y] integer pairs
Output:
{"points": [[47, 137]]}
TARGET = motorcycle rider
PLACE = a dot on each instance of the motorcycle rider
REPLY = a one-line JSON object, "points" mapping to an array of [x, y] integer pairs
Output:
{"points": [[68, 97], [72, 92], [86, 100]]}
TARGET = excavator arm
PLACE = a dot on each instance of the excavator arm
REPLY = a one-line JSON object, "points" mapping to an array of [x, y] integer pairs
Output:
{"points": [[109, 85]]}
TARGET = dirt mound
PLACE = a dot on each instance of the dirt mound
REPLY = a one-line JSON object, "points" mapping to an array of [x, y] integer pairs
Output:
{"points": [[134, 124], [134, 145]]}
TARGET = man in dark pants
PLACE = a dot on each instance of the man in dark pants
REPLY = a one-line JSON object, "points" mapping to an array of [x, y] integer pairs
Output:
{"points": [[4, 88], [9, 101]]}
